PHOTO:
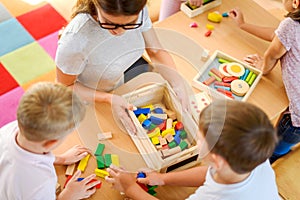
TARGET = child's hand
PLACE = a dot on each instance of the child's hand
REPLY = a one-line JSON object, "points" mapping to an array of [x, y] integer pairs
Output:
{"points": [[237, 15], [152, 178], [73, 155], [120, 179], [254, 60], [75, 190]]}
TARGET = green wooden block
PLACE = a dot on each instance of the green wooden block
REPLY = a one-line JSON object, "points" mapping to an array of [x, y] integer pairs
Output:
{"points": [[107, 158], [172, 144], [100, 149], [100, 162], [152, 187], [152, 192], [183, 134], [183, 145]]}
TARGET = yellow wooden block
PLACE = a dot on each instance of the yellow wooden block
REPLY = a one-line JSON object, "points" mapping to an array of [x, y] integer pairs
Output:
{"points": [[168, 131], [148, 106], [83, 163], [155, 140], [115, 160], [101, 173], [142, 118], [154, 133]]}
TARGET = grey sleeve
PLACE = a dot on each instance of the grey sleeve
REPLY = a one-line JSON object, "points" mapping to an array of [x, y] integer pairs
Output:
{"points": [[70, 58]]}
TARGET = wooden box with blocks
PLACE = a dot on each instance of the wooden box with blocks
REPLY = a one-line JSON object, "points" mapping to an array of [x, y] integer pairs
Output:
{"points": [[224, 76], [192, 12], [163, 148]]}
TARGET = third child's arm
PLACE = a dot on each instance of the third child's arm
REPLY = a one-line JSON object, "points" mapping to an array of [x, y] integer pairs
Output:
{"points": [[265, 33], [275, 51]]}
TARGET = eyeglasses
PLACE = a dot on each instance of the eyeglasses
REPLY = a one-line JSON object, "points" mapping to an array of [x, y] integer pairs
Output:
{"points": [[112, 26]]}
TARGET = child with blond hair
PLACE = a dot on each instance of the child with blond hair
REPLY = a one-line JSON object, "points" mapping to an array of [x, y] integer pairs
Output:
{"points": [[284, 47], [47, 113], [236, 140]]}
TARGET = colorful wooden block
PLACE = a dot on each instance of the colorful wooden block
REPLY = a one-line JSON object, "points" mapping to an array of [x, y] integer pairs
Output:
{"points": [[104, 136], [156, 120], [139, 111], [99, 150], [155, 140], [154, 133], [183, 145], [168, 131], [101, 173], [115, 160], [70, 169], [158, 110], [100, 162], [107, 160], [83, 163], [142, 118]]}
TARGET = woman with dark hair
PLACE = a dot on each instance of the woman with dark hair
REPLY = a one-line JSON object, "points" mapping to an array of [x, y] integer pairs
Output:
{"points": [[103, 44]]}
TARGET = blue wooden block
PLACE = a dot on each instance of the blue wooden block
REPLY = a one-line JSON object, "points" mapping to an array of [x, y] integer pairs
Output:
{"points": [[158, 111], [146, 124], [141, 175], [156, 120], [177, 139], [247, 71], [139, 111], [80, 179]]}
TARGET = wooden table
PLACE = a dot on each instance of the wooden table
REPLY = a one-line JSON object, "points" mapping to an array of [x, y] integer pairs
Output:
{"points": [[269, 94]]}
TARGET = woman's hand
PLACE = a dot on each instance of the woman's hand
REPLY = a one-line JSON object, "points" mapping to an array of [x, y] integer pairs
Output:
{"points": [[254, 60], [237, 16], [120, 109], [72, 155], [197, 3], [75, 190]]}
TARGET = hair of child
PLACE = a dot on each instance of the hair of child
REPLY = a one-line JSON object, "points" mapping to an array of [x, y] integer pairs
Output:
{"points": [[239, 132], [49, 111]]}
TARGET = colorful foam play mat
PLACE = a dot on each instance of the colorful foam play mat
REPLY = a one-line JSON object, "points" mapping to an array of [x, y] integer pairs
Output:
{"points": [[28, 43]]}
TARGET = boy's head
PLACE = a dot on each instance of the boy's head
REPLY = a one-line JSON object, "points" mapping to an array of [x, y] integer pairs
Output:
{"points": [[239, 132], [48, 111]]}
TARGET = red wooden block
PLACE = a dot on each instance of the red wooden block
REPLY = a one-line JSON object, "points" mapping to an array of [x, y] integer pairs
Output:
{"points": [[179, 126], [67, 180], [208, 33]]}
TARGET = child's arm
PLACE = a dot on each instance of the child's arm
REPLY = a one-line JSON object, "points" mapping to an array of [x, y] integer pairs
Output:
{"points": [[265, 33], [193, 177], [73, 155], [275, 51], [124, 181], [271, 56], [75, 190]]}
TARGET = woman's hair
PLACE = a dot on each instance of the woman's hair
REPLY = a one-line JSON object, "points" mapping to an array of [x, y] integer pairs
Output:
{"points": [[49, 111], [239, 132], [295, 15], [112, 7]]}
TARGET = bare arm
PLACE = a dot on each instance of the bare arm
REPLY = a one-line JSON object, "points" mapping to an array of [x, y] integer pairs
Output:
{"points": [[275, 51], [163, 63], [265, 33], [118, 103]]}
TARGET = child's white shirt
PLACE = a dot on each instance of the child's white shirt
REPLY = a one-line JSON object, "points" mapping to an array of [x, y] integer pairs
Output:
{"points": [[260, 185], [24, 175]]}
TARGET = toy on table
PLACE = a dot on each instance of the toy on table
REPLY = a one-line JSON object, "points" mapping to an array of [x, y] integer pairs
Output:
{"points": [[165, 132], [230, 78], [192, 11], [214, 17]]}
